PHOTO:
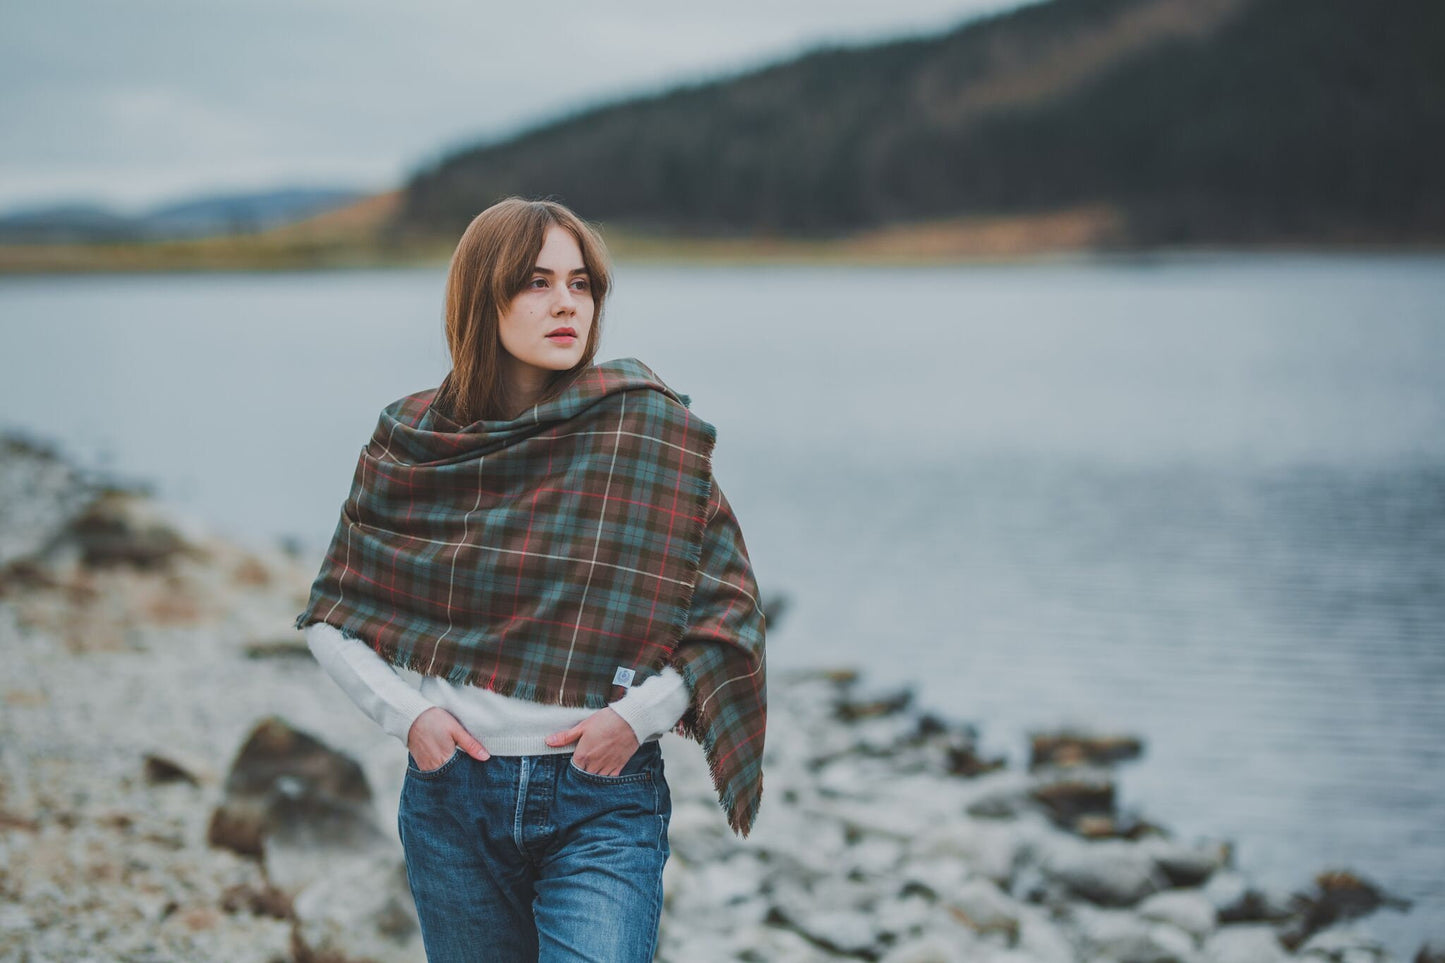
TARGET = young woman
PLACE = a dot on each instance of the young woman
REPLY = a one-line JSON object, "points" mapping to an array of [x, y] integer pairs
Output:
{"points": [[540, 537]]}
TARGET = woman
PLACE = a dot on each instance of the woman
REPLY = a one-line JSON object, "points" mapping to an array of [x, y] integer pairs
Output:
{"points": [[541, 538]]}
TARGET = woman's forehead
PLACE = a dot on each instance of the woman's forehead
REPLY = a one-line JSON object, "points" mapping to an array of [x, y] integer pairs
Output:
{"points": [[560, 251]]}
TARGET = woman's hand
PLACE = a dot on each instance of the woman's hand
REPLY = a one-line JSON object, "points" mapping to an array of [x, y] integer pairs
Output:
{"points": [[604, 742], [434, 733]]}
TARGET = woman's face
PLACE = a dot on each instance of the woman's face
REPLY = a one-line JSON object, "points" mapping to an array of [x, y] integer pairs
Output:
{"points": [[556, 298]]}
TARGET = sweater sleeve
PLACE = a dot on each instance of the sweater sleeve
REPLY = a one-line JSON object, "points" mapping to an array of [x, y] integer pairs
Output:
{"points": [[369, 682], [655, 706]]}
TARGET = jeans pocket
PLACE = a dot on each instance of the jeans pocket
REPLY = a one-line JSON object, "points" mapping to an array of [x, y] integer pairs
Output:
{"points": [[641, 767], [412, 770]]}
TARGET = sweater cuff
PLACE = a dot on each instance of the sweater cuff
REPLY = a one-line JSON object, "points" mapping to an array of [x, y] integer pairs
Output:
{"points": [[654, 707], [402, 711]]}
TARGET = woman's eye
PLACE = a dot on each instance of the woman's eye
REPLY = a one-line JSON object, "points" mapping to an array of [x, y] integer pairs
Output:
{"points": [[536, 281], [582, 284]]}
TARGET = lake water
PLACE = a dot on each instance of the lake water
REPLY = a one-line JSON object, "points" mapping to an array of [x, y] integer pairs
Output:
{"points": [[1201, 499]]}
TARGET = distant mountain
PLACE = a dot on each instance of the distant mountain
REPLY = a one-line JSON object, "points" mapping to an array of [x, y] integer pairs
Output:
{"points": [[1216, 121], [204, 216], [64, 222], [242, 213]]}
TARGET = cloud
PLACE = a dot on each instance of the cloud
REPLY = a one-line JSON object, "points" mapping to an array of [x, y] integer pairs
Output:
{"points": [[154, 98]]}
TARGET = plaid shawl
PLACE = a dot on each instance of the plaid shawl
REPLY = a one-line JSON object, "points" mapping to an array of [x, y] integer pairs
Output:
{"points": [[559, 557]]}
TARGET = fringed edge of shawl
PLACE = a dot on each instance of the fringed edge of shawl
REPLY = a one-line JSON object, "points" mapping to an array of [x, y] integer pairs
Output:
{"points": [[740, 817], [480, 678], [740, 813]]}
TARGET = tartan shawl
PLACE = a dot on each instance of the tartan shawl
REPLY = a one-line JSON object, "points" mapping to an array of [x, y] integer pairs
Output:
{"points": [[558, 557]]}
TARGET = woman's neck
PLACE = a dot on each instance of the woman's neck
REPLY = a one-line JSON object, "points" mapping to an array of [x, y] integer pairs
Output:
{"points": [[523, 385]]}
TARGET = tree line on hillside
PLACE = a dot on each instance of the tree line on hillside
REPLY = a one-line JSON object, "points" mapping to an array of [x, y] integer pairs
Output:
{"points": [[1198, 120]]}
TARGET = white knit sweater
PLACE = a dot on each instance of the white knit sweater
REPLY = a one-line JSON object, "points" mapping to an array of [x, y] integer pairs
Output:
{"points": [[506, 726]]}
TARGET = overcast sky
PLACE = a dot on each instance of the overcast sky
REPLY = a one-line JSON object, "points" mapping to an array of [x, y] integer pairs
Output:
{"points": [[134, 101]]}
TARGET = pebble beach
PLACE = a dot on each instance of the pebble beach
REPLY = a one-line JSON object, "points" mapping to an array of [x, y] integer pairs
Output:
{"points": [[179, 780]]}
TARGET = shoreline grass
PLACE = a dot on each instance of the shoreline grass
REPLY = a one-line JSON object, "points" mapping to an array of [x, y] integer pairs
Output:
{"points": [[356, 239]]}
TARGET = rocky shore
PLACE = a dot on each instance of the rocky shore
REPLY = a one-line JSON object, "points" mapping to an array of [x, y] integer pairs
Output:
{"points": [[180, 781]]}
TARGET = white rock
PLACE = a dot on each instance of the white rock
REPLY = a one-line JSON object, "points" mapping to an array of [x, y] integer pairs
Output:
{"points": [[728, 881], [873, 856], [902, 917], [1225, 889], [1003, 792], [998, 954], [13, 917], [1188, 909], [987, 848], [886, 733], [1341, 944], [981, 906], [1244, 943], [1185, 865], [1110, 872], [938, 875], [1120, 935], [845, 776], [1041, 938], [847, 930], [834, 910], [691, 818], [770, 943], [805, 840], [931, 948], [870, 816]]}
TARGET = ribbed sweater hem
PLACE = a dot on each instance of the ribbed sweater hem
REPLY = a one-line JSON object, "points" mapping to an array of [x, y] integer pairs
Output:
{"points": [[530, 746]]}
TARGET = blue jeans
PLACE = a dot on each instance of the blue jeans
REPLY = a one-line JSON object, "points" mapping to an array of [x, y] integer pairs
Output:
{"points": [[532, 858]]}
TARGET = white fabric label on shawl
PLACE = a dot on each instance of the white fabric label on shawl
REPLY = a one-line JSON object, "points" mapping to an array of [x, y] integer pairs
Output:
{"points": [[623, 676]]}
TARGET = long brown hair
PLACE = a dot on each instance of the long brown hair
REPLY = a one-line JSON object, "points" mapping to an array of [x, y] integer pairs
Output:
{"points": [[492, 262]]}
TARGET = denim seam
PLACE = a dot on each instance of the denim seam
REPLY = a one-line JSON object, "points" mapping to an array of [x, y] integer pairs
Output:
{"points": [[657, 844], [657, 809], [519, 816], [613, 780]]}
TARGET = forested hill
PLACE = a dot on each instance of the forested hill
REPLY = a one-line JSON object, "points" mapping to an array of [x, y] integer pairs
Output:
{"points": [[1214, 121]]}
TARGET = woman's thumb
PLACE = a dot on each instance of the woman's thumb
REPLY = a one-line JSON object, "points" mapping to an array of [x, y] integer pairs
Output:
{"points": [[564, 737]]}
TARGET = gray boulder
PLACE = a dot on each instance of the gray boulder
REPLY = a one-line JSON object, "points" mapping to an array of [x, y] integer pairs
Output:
{"points": [[282, 775]]}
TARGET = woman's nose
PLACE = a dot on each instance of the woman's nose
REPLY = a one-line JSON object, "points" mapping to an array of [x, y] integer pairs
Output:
{"points": [[566, 301]]}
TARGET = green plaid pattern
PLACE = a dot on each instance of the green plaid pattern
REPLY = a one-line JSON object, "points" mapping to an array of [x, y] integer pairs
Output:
{"points": [[538, 556]]}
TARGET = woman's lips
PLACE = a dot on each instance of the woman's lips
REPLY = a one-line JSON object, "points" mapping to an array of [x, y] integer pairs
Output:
{"points": [[562, 338]]}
